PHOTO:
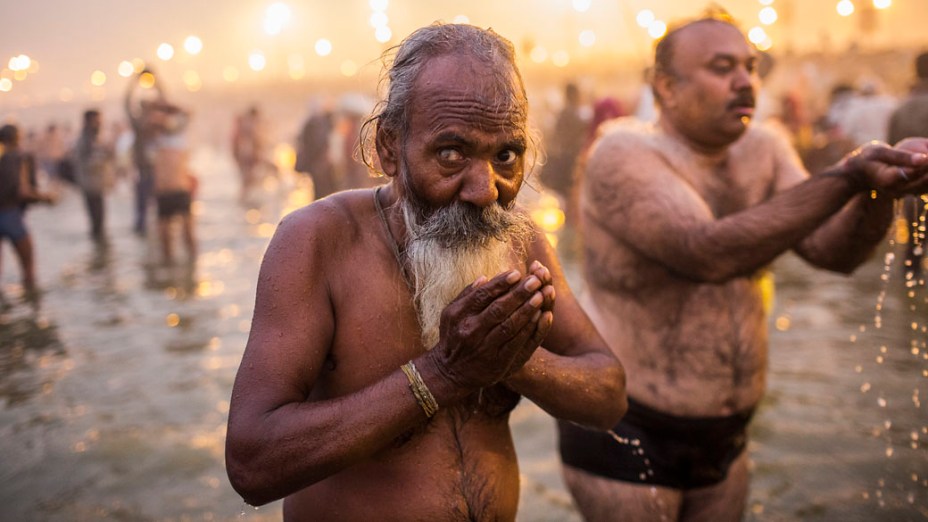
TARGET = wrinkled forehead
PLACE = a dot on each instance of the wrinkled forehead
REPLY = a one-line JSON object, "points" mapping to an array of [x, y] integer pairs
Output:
{"points": [[463, 89], [702, 40]]}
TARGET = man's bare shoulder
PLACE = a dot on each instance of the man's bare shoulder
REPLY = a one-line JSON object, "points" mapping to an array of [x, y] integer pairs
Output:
{"points": [[624, 133], [332, 222]]}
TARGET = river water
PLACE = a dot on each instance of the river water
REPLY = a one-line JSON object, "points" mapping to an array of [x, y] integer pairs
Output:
{"points": [[115, 382]]}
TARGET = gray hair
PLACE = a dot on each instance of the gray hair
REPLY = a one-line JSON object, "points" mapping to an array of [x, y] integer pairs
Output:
{"points": [[404, 62]]}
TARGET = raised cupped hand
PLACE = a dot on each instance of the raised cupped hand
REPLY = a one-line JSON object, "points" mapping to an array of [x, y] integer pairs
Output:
{"points": [[896, 170], [493, 327]]}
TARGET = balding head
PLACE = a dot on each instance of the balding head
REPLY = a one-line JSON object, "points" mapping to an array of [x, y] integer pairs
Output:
{"points": [[488, 50]]}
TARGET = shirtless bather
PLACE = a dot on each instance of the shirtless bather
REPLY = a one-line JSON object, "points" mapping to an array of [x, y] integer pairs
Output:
{"points": [[395, 328], [680, 220]]}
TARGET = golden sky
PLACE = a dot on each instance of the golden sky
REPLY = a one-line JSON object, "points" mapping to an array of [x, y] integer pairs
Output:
{"points": [[79, 46]]}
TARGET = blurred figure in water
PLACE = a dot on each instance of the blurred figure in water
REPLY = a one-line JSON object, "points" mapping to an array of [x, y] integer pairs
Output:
{"points": [[15, 191], [313, 154], [911, 119], [565, 144], [94, 161], [249, 148], [174, 182], [138, 115], [50, 150], [353, 109]]}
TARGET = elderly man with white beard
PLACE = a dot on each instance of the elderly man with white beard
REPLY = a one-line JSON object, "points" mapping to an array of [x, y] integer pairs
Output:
{"points": [[396, 328]]}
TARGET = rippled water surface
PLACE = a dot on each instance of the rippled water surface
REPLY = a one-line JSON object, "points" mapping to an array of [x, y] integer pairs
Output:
{"points": [[114, 384]]}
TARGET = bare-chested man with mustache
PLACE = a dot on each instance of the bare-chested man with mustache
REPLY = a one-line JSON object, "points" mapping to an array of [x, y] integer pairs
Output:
{"points": [[680, 220], [395, 328]]}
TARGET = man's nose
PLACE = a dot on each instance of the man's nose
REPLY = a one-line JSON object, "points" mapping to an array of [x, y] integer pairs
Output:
{"points": [[479, 185], [743, 79]]}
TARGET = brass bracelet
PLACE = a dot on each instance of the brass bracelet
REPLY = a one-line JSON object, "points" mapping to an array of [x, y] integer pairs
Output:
{"points": [[421, 392]]}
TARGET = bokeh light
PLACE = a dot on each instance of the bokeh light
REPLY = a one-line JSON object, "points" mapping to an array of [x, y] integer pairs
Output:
{"points": [[97, 78], [323, 47], [644, 18], [165, 51], [276, 18], [767, 15], [125, 69], [657, 29], [882, 4], [587, 38], [538, 54], [193, 45], [757, 35], [383, 34], [581, 6], [348, 68], [845, 8], [256, 61]]}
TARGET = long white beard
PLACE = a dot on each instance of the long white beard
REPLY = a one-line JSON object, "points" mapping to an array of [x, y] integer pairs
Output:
{"points": [[454, 246]]}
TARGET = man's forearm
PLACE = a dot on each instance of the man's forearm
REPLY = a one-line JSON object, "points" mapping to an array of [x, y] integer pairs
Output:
{"points": [[587, 389], [849, 237]]}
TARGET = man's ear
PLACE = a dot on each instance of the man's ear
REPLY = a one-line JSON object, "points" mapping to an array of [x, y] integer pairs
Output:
{"points": [[663, 85], [387, 152]]}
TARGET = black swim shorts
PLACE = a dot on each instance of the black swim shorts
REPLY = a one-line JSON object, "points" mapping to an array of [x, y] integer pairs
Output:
{"points": [[173, 203], [671, 451]]}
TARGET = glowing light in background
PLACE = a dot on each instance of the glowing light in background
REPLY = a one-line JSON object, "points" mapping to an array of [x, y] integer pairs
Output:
{"points": [[323, 47], [845, 8], [461, 19], [193, 45], [6, 85], [383, 34], [192, 81], [97, 78], [765, 2], [757, 35], [587, 38], [147, 80], [767, 15], [229, 73], [348, 68], [379, 19], [644, 18], [538, 54], [20, 63], [882, 4], [581, 6], [256, 61], [379, 5], [125, 69], [165, 51], [138, 64], [276, 17], [657, 29]]}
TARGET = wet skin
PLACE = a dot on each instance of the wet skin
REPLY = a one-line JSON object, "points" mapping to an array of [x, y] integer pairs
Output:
{"points": [[322, 414]]}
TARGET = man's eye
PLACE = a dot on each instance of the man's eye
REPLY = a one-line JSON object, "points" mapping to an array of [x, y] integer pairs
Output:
{"points": [[721, 68], [507, 157], [450, 155]]}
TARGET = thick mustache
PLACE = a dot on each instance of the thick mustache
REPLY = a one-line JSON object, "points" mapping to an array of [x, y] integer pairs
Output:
{"points": [[742, 100]]}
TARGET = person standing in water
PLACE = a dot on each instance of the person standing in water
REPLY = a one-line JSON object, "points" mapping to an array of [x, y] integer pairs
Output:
{"points": [[680, 220], [394, 404]]}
